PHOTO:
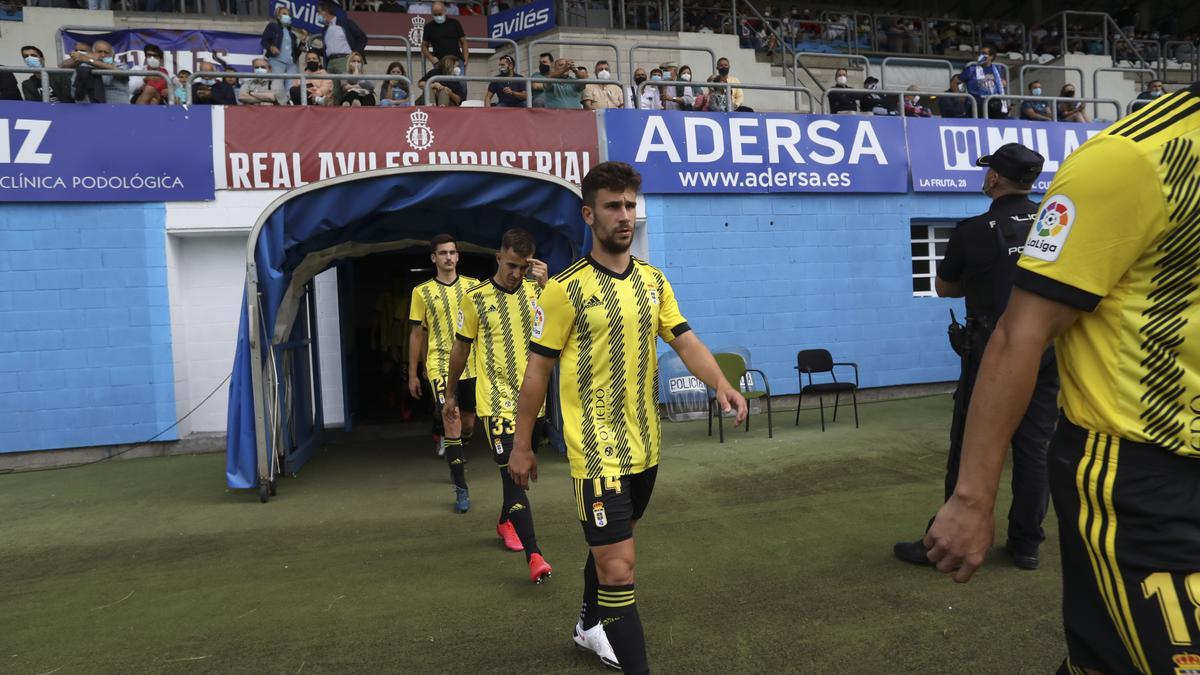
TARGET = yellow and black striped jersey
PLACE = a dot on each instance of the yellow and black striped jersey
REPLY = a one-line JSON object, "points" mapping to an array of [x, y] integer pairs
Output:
{"points": [[604, 327], [435, 306], [497, 323], [1118, 236]]}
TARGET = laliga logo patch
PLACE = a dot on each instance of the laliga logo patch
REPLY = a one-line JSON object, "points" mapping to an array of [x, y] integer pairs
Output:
{"points": [[598, 514], [1049, 233], [539, 322], [460, 318]]}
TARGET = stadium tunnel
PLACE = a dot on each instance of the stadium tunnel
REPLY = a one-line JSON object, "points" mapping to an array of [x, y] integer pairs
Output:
{"points": [[275, 418]]}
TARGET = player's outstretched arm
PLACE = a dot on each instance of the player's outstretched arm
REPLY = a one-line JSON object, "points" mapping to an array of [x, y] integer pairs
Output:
{"points": [[962, 531], [458, 362], [699, 360], [522, 463]]}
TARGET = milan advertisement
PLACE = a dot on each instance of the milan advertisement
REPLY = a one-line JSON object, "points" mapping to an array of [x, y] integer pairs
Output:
{"points": [[943, 152], [740, 152], [53, 153], [281, 149]]}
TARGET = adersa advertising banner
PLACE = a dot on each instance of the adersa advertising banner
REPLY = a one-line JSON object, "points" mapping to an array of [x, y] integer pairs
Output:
{"points": [[281, 149], [412, 27], [943, 151], [679, 152], [53, 153], [182, 49], [522, 21]]}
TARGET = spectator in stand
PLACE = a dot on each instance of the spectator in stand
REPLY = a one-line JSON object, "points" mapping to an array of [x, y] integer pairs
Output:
{"points": [[281, 44], [93, 88], [715, 100], [954, 106], [208, 89], [632, 97], [150, 90], [234, 83], [839, 103], [262, 91], [739, 98], [444, 94], [913, 107], [508, 94], [1036, 111], [1071, 111], [444, 37], [9, 89], [394, 93], [420, 7], [343, 37], [876, 104], [31, 88], [984, 78], [1153, 91], [682, 98], [180, 82], [545, 64], [320, 91], [601, 96], [358, 92], [562, 96]]}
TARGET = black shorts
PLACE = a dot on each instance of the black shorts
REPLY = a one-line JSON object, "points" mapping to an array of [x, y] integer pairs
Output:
{"points": [[609, 506], [466, 394], [1129, 524], [500, 431]]}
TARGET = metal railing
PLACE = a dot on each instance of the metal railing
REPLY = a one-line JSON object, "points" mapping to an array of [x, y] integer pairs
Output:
{"points": [[914, 61], [855, 22], [1034, 66], [849, 58], [814, 106], [899, 94], [45, 73], [516, 54], [1107, 24], [669, 48], [1190, 58], [890, 19], [529, 81], [302, 78], [1137, 71], [616, 64], [1054, 100], [931, 24], [408, 49]]}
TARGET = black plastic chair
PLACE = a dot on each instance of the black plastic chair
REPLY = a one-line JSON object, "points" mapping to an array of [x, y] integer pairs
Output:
{"points": [[809, 361]]}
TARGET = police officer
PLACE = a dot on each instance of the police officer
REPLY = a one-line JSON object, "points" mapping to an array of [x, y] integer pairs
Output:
{"points": [[980, 259]]}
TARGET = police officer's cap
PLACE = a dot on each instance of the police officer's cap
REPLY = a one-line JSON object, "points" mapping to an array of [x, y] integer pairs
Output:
{"points": [[1015, 162]]}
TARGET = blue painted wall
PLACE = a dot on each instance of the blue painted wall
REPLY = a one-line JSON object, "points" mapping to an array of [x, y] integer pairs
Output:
{"points": [[780, 273], [85, 334]]}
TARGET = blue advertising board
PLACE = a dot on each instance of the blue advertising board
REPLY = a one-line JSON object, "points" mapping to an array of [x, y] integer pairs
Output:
{"points": [[679, 152], [181, 48], [942, 152], [105, 153], [523, 21], [304, 13]]}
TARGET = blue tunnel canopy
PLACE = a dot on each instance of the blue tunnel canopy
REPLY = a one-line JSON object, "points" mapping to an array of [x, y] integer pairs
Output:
{"points": [[308, 230]]}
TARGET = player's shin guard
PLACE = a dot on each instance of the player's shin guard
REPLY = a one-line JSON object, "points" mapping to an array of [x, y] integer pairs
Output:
{"points": [[618, 612], [588, 614], [454, 457], [519, 513]]}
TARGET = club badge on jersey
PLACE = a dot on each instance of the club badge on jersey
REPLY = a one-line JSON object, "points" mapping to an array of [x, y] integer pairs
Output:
{"points": [[598, 514], [653, 292], [460, 319]]}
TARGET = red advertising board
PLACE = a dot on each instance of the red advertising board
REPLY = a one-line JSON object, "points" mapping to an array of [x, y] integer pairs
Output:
{"points": [[412, 26], [285, 148]]}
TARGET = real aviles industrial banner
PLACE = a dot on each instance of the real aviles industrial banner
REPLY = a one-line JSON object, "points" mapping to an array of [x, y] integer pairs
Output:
{"points": [[745, 152]]}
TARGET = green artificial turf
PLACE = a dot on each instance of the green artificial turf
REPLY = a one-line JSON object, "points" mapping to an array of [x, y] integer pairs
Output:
{"points": [[755, 556]]}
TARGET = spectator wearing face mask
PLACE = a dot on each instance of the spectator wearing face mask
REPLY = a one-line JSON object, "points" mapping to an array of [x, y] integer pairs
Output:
{"points": [[545, 65], [984, 78], [651, 96], [320, 91], [954, 106], [684, 97], [913, 107], [444, 37], [876, 104], [739, 98], [715, 100], [394, 93], [357, 93], [31, 89], [562, 96], [1036, 111], [209, 89], [507, 94], [1153, 91], [1071, 111], [632, 97], [601, 96], [150, 90], [93, 88], [262, 91], [839, 103], [444, 93], [282, 44], [343, 37]]}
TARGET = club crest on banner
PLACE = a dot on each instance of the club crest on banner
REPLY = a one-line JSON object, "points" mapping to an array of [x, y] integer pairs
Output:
{"points": [[419, 135]]}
